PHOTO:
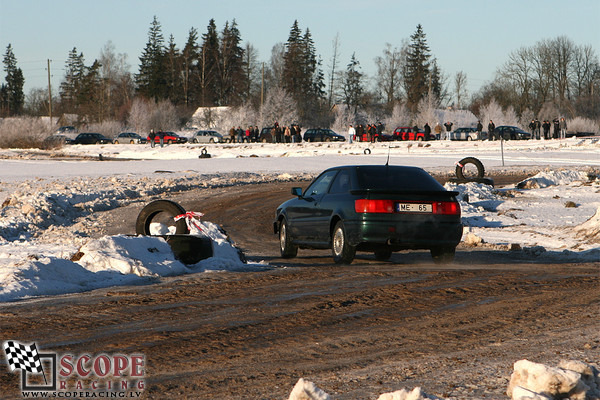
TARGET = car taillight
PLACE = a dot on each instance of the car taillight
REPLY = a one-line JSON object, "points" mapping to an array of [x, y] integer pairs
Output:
{"points": [[374, 206], [446, 208]]}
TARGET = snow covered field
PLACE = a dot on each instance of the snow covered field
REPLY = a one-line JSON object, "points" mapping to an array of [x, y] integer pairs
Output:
{"points": [[48, 197]]}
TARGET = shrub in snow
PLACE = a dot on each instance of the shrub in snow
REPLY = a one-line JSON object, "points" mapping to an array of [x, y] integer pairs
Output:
{"points": [[23, 132], [537, 381], [306, 390], [580, 124]]}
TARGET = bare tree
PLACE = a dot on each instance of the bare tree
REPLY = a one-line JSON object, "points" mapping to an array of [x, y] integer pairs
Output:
{"points": [[334, 64], [460, 88], [389, 70]]}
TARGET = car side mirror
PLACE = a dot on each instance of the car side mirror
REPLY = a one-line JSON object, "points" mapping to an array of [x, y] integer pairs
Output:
{"points": [[296, 191]]}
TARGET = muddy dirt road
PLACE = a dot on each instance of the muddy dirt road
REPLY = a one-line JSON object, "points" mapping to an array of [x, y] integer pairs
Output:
{"points": [[356, 331]]}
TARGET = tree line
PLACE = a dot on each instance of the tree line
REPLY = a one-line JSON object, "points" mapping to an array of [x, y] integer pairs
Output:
{"points": [[218, 69]]}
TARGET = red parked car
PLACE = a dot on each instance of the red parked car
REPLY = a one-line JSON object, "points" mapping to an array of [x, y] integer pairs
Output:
{"points": [[408, 133], [169, 138]]}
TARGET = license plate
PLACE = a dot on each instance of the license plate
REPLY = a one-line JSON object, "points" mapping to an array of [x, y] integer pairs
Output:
{"points": [[414, 207]]}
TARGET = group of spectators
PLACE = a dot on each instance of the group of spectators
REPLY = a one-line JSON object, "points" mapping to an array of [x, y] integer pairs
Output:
{"points": [[286, 134], [240, 135], [559, 132], [368, 133]]}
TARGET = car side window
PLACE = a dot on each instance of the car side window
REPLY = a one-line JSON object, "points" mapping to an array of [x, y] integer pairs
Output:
{"points": [[321, 185], [341, 183]]}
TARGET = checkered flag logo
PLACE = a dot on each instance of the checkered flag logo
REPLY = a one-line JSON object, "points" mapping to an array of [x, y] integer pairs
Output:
{"points": [[23, 357]]}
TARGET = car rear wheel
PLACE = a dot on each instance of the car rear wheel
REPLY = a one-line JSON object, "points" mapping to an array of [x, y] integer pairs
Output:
{"points": [[342, 251], [195, 140], [169, 141], [288, 250], [383, 254], [443, 255], [211, 140], [131, 141], [116, 142]]}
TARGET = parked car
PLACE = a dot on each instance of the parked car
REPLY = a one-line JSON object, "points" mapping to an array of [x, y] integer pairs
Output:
{"points": [[129, 137], [91, 138], [376, 208], [266, 135], [169, 138], [322, 135], [206, 137], [56, 140], [408, 133], [467, 134], [511, 133]]}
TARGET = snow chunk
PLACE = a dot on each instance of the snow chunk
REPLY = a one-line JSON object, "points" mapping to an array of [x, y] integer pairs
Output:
{"points": [[547, 382], [553, 178], [415, 394], [591, 228], [306, 390]]}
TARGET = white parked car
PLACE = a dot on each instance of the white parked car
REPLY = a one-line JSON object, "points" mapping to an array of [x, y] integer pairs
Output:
{"points": [[204, 136], [467, 134]]}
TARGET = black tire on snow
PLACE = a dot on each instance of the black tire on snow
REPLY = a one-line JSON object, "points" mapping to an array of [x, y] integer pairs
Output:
{"points": [[342, 251], [288, 250], [151, 210], [469, 160]]}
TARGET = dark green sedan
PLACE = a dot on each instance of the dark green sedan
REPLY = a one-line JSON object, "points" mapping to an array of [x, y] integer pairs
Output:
{"points": [[373, 208]]}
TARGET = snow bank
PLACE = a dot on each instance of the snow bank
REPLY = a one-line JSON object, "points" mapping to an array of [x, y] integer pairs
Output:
{"points": [[553, 178], [306, 390], [590, 229], [416, 394], [571, 379]]}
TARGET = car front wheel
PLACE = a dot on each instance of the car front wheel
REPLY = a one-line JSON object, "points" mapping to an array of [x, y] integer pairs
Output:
{"points": [[288, 250], [342, 251]]}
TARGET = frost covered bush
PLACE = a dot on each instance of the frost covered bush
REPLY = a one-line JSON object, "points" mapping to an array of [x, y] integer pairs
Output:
{"points": [[580, 124], [279, 106], [145, 115], [110, 129], [23, 132], [493, 111], [243, 116]]}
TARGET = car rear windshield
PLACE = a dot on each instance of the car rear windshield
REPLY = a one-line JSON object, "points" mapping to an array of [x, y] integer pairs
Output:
{"points": [[396, 178]]}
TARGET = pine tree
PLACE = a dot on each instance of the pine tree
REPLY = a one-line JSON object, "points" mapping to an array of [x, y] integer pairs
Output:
{"points": [[352, 84], [293, 60], [208, 66], [231, 66], [189, 61], [416, 72], [73, 81], [15, 99], [173, 71], [151, 81]]}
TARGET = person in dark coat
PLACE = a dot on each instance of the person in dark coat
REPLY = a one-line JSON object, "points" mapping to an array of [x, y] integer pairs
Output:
{"points": [[491, 130], [556, 128], [546, 127], [479, 129], [427, 130], [161, 137]]}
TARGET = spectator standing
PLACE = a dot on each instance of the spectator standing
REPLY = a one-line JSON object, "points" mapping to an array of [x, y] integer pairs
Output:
{"points": [[287, 132], [438, 131], [546, 127], [360, 131], [415, 130], [448, 126], [232, 135], [427, 130], [479, 130], [532, 128], [491, 130], [152, 137], [538, 125], [563, 128], [556, 133], [161, 137], [240, 134], [351, 133]]}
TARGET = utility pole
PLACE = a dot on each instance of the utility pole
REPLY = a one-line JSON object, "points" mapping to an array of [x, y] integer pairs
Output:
{"points": [[49, 95]]}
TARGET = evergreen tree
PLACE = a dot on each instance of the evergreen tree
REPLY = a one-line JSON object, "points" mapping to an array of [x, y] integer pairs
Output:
{"points": [[173, 70], [416, 72], [89, 96], [293, 74], [189, 61], [231, 66], [352, 84], [14, 97], [151, 81], [73, 81], [208, 66]]}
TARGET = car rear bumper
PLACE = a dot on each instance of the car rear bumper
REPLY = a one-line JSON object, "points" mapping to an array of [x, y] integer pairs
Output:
{"points": [[404, 235]]}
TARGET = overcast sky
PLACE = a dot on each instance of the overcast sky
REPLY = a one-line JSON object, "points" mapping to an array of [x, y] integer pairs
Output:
{"points": [[475, 37]]}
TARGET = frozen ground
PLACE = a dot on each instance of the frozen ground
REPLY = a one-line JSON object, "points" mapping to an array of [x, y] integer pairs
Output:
{"points": [[48, 198]]}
